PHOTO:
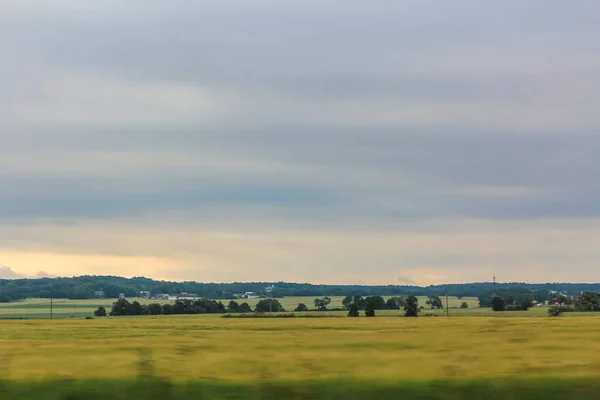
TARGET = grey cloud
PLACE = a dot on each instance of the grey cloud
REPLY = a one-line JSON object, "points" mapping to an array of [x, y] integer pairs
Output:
{"points": [[319, 114], [8, 273]]}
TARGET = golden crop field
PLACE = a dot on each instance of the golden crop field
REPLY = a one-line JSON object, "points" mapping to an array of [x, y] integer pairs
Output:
{"points": [[297, 353], [289, 349]]}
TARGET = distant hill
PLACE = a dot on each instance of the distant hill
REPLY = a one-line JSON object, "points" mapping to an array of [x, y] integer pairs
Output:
{"points": [[84, 287]]}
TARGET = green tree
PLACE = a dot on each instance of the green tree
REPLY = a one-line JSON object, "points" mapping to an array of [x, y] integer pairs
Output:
{"points": [[321, 304], [400, 300], [391, 304], [353, 309], [525, 302], [498, 304], [301, 308], [464, 304], [136, 308], [121, 307], [411, 306], [434, 302], [370, 306], [233, 306], [154, 309], [100, 312], [346, 302], [167, 309], [588, 301], [269, 305], [378, 302], [245, 308]]}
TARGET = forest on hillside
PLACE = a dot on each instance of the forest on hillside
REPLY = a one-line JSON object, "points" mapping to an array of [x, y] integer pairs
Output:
{"points": [[86, 287]]}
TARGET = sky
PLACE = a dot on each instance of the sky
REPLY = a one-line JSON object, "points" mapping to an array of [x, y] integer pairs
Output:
{"points": [[383, 142]]}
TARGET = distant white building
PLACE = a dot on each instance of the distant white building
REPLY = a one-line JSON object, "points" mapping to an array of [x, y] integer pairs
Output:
{"points": [[144, 294], [99, 294], [269, 289]]}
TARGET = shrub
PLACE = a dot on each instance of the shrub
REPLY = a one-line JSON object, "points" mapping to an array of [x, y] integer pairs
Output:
{"points": [[498, 304], [301, 308], [269, 305], [464, 304], [100, 312]]}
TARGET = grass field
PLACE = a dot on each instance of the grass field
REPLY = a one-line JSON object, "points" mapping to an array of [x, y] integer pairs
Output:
{"points": [[304, 358], [63, 308]]}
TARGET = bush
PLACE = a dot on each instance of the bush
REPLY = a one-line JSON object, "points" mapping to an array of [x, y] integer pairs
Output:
{"points": [[100, 312], [167, 309], [498, 304], [555, 311], [464, 305], [301, 308], [269, 305], [245, 308]]}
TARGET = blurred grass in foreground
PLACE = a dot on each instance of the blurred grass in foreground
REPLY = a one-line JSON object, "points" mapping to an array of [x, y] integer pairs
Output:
{"points": [[343, 390]]}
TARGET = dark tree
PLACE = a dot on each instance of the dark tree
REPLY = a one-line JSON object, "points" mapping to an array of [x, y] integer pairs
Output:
{"points": [[359, 301], [498, 304], [233, 306], [301, 308], [167, 309], [154, 309], [588, 301], [400, 300], [269, 305], [464, 304], [346, 302], [100, 312], [411, 307], [370, 306], [353, 310], [321, 304], [525, 302], [121, 307], [182, 307], [378, 302], [136, 308], [245, 308], [392, 304], [434, 302]]}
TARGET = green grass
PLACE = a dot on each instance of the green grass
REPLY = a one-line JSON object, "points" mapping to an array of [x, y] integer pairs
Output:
{"points": [[63, 308], [329, 390]]}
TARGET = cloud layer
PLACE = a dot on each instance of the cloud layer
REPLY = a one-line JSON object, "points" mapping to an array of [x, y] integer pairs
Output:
{"points": [[416, 141]]}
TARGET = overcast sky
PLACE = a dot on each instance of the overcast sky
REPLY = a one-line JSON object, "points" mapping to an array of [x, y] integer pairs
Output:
{"points": [[386, 142]]}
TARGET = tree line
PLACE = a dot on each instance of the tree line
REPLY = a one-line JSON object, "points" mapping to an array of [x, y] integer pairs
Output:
{"points": [[352, 304], [122, 307], [84, 287]]}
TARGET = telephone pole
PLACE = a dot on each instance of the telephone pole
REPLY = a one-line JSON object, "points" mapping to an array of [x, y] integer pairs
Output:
{"points": [[447, 309], [50, 307]]}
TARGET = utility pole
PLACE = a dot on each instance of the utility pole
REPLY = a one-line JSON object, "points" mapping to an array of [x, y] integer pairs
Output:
{"points": [[447, 309], [50, 307]]}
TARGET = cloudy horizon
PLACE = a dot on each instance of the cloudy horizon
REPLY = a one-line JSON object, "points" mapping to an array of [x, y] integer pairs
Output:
{"points": [[414, 142]]}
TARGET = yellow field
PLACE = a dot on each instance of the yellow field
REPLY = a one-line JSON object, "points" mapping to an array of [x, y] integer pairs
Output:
{"points": [[244, 350]]}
